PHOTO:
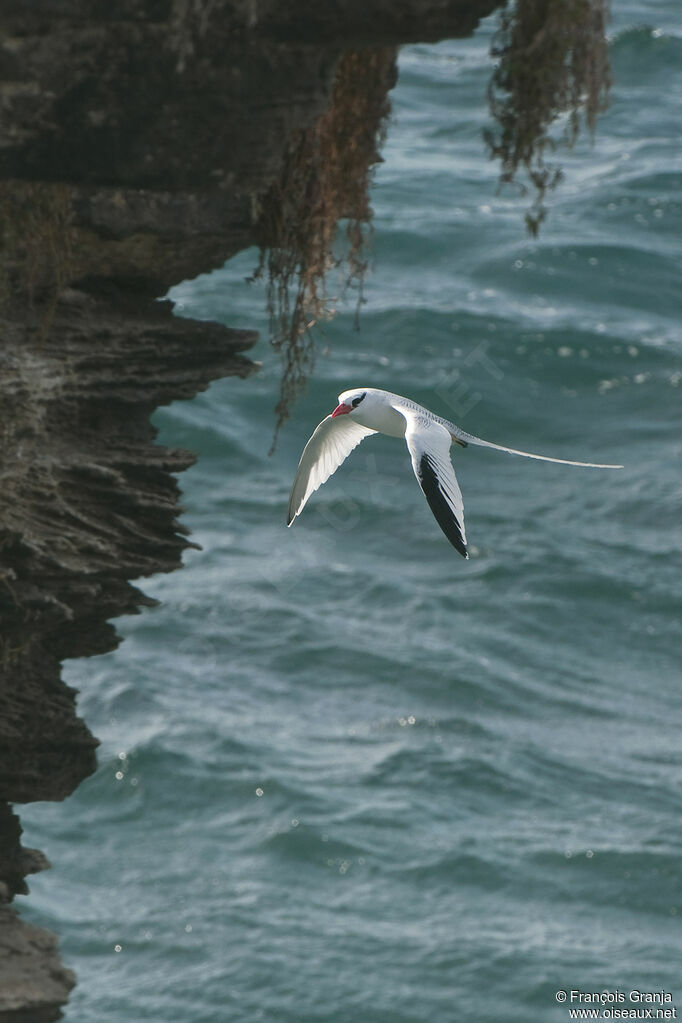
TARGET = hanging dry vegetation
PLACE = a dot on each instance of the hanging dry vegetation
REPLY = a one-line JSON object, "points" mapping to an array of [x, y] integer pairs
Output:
{"points": [[36, 245], [552, 61], [325, 179]]}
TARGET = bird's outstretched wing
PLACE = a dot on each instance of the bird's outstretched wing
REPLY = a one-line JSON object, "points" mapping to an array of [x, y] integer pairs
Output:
{"points": [[329, 446], [468, 438], [429, 445]]}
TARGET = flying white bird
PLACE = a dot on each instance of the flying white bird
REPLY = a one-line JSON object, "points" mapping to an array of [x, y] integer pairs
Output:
{"points": [[367, 410]]}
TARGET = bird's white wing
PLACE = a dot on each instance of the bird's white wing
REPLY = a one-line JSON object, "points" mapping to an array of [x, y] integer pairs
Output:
{"points": [[468, 438], [429, 445], [329, 446]]}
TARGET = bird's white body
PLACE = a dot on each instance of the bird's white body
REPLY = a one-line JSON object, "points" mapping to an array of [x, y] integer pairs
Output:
{"points": [[367, 410]]}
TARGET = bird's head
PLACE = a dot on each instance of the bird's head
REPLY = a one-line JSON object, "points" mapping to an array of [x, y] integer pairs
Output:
{"points": [[349, 401]]}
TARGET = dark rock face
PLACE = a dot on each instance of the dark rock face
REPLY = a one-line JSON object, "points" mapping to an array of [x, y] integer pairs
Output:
{"points": [[185, 93], [135, 141], [33, 982], [88, 502]]}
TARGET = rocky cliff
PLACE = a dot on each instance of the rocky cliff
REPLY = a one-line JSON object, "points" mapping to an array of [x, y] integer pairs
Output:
{"points": [[136, 140]]}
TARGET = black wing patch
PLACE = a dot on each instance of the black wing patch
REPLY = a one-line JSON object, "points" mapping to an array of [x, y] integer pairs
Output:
{"points": [[439, 505]]}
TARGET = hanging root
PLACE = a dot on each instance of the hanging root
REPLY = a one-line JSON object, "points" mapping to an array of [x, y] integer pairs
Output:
{"points": [[325, 178], [552, 60]]}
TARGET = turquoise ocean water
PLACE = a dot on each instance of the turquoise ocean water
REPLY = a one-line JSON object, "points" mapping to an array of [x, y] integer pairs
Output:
{"points": [[345, 775]]}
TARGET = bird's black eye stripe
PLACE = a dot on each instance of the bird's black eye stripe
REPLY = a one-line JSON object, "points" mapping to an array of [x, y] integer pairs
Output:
{"points": [[356, 401]]}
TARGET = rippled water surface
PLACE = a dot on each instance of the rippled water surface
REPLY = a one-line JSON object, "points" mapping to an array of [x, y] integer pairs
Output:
{"points": [[345, 775]]}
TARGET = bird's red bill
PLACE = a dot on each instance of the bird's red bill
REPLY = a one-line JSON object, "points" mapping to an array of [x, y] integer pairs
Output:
{"points": [[341, 410]]}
